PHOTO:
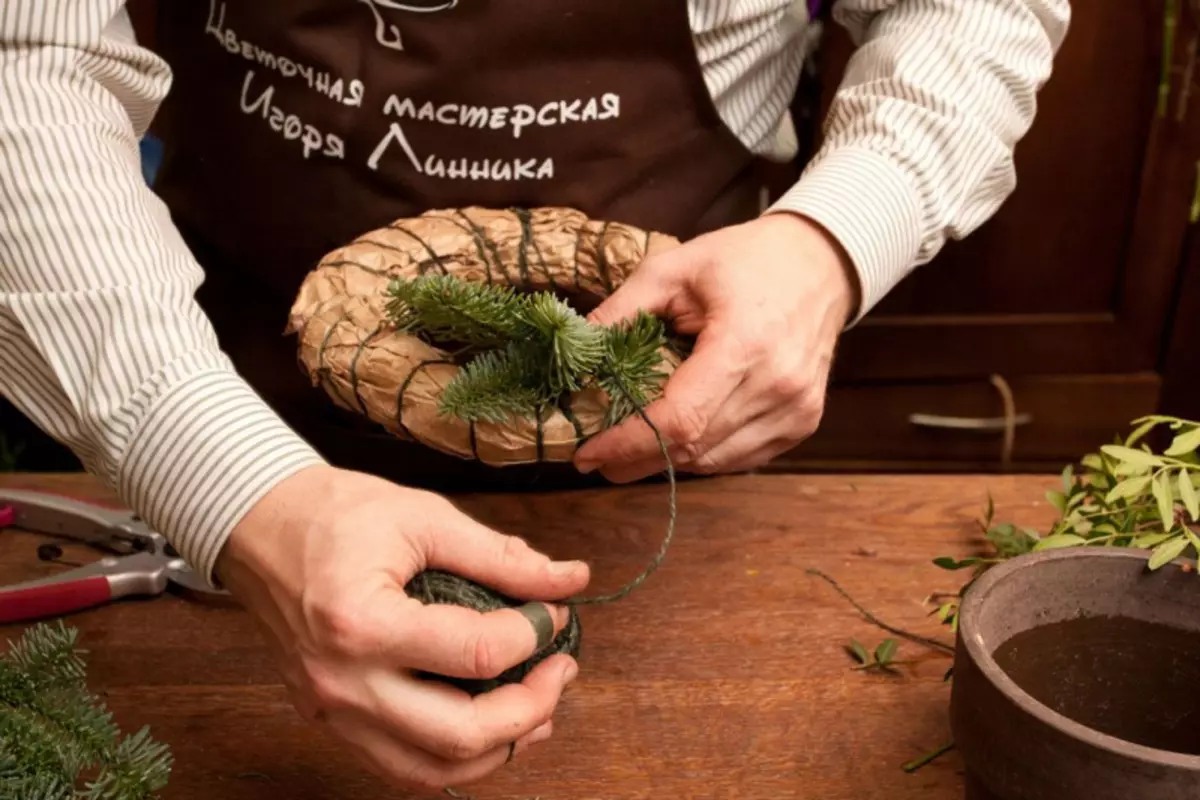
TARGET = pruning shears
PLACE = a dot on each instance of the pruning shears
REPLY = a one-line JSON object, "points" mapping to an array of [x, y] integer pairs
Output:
{"points": [[140, 562]]}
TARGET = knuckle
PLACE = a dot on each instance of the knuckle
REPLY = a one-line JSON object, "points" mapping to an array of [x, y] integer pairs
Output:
{"points": [[788, 384], [345, 632], [342, 628], [808, 419], [478, 658], [705, 464], [687, 424], [466, 745], [514, 550], [691, 453], [325, 691]]}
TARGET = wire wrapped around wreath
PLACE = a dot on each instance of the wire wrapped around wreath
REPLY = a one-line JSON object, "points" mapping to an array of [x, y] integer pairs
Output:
{"points": [[350, 346]]}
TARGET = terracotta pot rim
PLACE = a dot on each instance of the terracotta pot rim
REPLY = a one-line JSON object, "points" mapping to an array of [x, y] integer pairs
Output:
{"points": [[972, 640]]}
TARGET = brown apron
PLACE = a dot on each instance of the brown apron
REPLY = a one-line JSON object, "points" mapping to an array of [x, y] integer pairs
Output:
{"points": [[293, 126]]}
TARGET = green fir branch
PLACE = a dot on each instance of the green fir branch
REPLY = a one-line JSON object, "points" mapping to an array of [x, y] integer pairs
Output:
{"points": [[574, 348], [630, 373], [451, 310], [53, 731], [528, 351], [494, 386]]}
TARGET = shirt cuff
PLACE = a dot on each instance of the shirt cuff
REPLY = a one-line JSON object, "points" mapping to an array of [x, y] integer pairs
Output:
{"points": [[207, 450], [866, 202]]}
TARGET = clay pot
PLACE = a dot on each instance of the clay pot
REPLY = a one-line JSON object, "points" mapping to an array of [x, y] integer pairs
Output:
{"points": [[1077, 675]]}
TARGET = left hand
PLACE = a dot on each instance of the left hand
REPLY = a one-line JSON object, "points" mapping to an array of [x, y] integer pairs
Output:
{"points": [[767, 300]]}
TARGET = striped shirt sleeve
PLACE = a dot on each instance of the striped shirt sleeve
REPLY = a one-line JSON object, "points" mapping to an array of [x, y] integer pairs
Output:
{"points": [[104, 346], [919, 141]]}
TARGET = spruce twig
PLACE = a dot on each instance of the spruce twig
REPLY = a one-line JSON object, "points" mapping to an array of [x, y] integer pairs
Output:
{"points": [[526, 352], [53, 731]]}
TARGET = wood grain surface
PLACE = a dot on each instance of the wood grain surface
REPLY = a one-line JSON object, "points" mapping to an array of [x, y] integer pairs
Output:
{"points": [[722, 677]]}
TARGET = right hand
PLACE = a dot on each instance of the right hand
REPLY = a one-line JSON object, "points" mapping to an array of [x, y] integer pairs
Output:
{"points": [[321, 562]]}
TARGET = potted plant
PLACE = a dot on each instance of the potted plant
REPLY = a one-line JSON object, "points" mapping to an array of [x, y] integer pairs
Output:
{"points": [[1077, 652], [1077, 648]]}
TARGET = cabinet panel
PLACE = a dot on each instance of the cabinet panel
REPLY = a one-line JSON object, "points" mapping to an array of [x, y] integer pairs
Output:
{"points": [[905, 425], [1076, 271]]}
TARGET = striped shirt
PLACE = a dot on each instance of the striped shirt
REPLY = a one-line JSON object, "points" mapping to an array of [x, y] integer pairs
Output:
{"points": [[106, 350]]}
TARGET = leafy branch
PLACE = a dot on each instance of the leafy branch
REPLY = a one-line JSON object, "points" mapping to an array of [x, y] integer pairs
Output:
{"points": [[1124, 495], [882, 658]]}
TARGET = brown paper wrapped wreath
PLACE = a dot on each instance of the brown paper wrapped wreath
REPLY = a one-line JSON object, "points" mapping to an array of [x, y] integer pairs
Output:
{"points": [[348, 347]]}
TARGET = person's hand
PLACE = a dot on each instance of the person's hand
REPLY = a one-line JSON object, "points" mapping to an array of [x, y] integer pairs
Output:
{"points": [[767, 300], [322, 562]]}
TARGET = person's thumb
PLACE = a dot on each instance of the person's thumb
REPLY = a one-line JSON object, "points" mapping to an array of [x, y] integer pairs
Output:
{"points": [[648, 288], [504, 563]]}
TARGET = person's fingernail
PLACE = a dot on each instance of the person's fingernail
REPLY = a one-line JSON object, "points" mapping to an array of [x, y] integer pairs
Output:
{"points": [[570, 671], [586, 467], [564, 569]]}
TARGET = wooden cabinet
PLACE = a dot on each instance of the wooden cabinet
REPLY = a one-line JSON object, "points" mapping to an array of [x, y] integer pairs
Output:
{"points": [[1070, 293]]}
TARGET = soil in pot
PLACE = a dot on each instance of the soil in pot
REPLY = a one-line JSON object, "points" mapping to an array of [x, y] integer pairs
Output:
{"points": [[1128, 678]]}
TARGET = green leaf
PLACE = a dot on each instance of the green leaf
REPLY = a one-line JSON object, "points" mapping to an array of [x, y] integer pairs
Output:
{"points": [[1149, 540], [1131, 456], [1167, 551], [991, 511], [1193, 540], [944, 611], [1059, 540], [946, 562], [1009, 542], [1057, 500], [1067, 475], [1162, 494], [1093, 462], [1140, 431], [1130, 487], [1184, 443], [858, 651], [1187, 493], [885, 651]]}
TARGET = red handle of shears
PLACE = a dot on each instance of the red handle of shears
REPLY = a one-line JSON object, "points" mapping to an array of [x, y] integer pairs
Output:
{"points": [[35, 602]]}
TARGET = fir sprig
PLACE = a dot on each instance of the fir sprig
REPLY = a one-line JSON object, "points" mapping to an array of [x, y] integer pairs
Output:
{"points": [[630, 372], [54, 732], [574, 348], [452, 310], [528, 351], [493, 386]]}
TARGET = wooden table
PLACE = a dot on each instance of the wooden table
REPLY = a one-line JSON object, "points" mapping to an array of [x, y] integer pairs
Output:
{"points": [[724, 676]]}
